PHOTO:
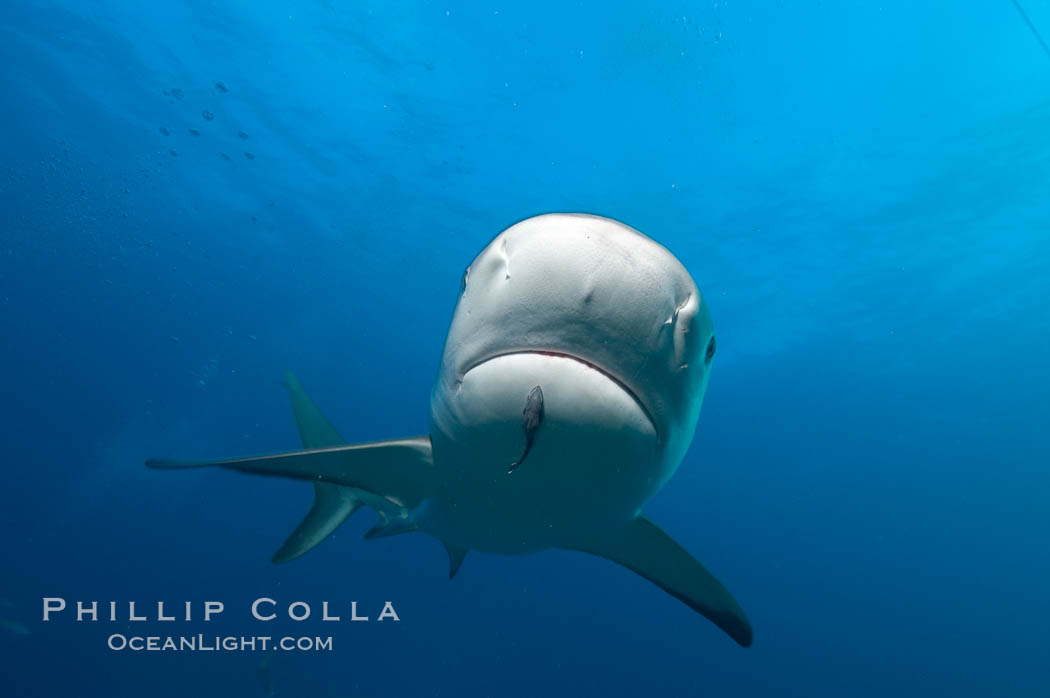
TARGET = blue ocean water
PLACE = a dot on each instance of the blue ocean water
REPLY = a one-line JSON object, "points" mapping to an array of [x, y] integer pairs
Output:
{"points": [[195, 196]]}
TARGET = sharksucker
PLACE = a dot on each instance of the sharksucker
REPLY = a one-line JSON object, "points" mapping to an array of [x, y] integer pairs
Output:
{"points": [[532, 416]]}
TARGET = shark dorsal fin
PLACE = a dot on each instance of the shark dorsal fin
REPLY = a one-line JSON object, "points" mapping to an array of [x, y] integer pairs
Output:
{"points": [[332, 504]]}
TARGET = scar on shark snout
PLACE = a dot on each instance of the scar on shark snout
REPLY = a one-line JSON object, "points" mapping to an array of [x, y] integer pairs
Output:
{"points": [[532, 415]]}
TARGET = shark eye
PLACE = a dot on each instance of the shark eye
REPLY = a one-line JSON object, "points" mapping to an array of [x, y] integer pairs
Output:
{"points": [[463, 281], [710, 351]]}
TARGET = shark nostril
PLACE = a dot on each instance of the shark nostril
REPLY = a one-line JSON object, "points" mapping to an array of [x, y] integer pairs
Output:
{"points": [[710, 351]]}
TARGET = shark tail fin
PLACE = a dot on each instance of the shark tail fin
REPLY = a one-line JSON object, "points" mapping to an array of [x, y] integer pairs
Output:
{"points": [[332, 504], [643, 548], [392, 474]]}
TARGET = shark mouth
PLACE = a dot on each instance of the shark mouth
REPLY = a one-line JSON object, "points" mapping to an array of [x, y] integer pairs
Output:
{"points": [[579, 360]]}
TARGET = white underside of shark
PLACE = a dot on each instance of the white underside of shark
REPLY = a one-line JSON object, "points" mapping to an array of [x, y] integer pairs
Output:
{"points": [[570, 386]]}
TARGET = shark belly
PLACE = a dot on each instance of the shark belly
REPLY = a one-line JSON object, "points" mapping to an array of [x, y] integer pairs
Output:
{"points": [[594, 462]]}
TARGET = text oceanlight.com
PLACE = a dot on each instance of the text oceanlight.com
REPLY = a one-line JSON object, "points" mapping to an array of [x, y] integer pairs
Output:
{"points": [[202, 643]]}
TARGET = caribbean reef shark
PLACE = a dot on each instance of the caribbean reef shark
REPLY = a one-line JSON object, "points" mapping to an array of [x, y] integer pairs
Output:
{"points": [[569, 389]]}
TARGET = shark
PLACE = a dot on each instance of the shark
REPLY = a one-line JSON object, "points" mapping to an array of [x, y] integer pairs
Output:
{"points": [[569, 390]]}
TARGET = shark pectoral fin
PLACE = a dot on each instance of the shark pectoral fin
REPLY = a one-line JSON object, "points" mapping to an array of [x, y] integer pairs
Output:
{"points": [[643, 548], [400, 470], [333, 504]]}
